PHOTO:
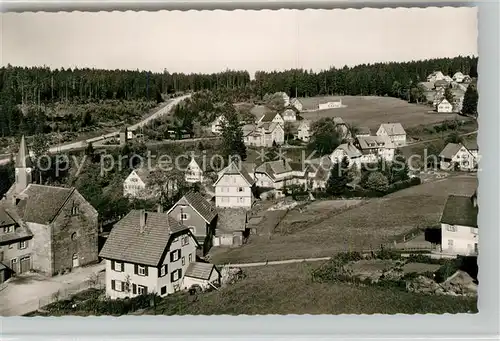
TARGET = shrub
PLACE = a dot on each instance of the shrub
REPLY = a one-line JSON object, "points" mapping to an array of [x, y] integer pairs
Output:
{"points": [[446, 270], [377, 181]]}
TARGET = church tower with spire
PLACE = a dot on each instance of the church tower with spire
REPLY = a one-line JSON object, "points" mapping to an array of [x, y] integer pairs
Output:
{"points": [[24, 168]]}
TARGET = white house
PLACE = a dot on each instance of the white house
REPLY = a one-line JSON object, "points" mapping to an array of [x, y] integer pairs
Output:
{"points": [[318, 172], [264, 135], [458, 77], [374, 148], [457, 155], [150, 252], [445, 106], [233, 188], [194, 173], [347, 150], [135, 184], [303, 132], [297, 104], [394, 131], [216, 125], [435, 76], [330, 105], [289, 115], [459, 229], [271, 117]]}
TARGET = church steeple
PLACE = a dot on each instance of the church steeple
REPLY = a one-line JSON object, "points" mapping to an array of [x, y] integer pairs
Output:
{"points": [[23, 167]]}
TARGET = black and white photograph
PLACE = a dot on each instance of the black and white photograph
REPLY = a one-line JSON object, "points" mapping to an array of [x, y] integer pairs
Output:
{"points": [[239, 162]]}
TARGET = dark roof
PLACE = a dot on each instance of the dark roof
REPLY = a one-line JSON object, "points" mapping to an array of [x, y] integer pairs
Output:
{"points": [[459, 210], [127, 243], [23, 159], [233, 169], [471, 145], [40, 204], [364, 131], [9, 216], [200, 270], [231, 219], [268, 117], [201, 205]]}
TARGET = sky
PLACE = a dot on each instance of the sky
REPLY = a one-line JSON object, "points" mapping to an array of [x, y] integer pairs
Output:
{"points": [[213, 41]]}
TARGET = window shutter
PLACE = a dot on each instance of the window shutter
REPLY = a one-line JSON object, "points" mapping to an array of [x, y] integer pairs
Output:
{"points": [[136, 269], [180, 273], [113, 286], [134, 289], [179, 251], [19, 246], [113, 265], [146, 270], [166, 269], [172, 276], [171, 256], [145, 290]]}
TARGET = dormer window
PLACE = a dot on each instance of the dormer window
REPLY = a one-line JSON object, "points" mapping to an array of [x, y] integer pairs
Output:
{"points": [[75, 209], [8, 229]]}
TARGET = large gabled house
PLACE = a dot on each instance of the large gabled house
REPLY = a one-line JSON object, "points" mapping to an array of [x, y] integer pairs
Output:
{"points": [[459, 229], [394, 131], [139, 184], [444, 106], [289, 114], [265, 134], [297, 104], [279, 173], [375, 148], [151, 252], [304, 131], [456, 155], [271, 117], [233, 187], [199, 215]]}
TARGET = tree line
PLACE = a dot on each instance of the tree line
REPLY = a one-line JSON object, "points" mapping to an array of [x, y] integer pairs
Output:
{"points": [[41, 85]]}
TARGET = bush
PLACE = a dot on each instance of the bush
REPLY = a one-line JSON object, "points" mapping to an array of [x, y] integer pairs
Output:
{"points": [[377, 181], [446, 270]]}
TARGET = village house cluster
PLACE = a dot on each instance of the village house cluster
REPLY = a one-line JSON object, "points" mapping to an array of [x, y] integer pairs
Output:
{"points": [[435, 88]]}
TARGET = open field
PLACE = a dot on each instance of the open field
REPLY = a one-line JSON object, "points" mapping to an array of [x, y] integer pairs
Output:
{"points": [[371, 111], [364, 227], [287, 289]]}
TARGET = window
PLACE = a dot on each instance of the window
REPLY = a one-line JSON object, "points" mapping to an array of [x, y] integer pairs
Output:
{"points": [[140, 270], [13, 263], [163, 270], [175, 255], [450, 243], [185, 240], [117, 266], [451, 228], [117, 285], [176, 275], [8, 229], [240, 189], [23, 245], [183, 260], [176, 239], [142, 290], [184, 216], [190, 258], [240, 200], [163, 290], [75, 209]]}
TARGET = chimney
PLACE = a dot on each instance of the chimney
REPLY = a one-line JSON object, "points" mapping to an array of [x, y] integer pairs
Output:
{"points": [[142, 222], [159, 208]]}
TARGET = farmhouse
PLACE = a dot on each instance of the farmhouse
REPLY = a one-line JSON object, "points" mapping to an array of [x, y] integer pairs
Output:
{"points": [[148, 252], [44, 228], [286, 98], [458, 77], [456, 155], [330, 105], [444, 106], [347, 150], [279, 173], [303, 132], [459, 229], [297, 104], [200, 216], [374, 148], [233, 188], [194, 173], [289, 115], [394, 131], [271, 117], [217, 124], [435, 76]]}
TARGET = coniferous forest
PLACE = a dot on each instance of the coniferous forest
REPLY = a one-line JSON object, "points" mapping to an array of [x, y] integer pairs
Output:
{"points": [[38, 87]]}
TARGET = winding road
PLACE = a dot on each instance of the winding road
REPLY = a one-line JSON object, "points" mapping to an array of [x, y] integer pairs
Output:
{"points": [[4, 159]]}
